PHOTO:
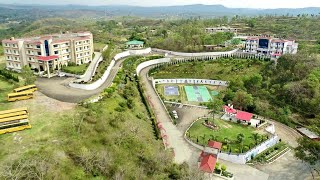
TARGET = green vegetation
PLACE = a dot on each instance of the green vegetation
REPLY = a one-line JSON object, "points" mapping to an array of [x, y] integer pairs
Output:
{"points": [[98, 47], [228, 134], [269, 153], [1, 50], [75, 69], [224, 69]]}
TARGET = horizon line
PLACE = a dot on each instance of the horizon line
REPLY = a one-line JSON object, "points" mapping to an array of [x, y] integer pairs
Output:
{"points": [[21, 4]]}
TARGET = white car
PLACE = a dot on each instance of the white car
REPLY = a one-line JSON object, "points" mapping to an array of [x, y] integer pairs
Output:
{"points": [[174, 112], [176, 116]]}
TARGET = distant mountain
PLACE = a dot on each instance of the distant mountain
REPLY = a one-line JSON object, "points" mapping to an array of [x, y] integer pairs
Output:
{"points": [[178, 11]]}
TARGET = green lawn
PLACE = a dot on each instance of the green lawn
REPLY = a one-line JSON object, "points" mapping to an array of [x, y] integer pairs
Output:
{"points": [[81, 69], [227, 129], [98, 46]]}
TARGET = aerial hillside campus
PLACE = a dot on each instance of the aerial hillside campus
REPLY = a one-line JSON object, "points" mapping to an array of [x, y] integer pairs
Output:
{"points": [[90, 92]]}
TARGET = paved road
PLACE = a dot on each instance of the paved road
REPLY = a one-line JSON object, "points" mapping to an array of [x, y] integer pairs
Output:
{"points": [[59, 89]]}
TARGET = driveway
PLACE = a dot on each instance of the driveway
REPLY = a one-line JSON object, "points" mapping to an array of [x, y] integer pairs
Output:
{"points": [[58, 88]]}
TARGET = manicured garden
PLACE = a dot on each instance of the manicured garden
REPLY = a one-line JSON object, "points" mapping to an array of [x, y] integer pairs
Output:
{"points": [[271, 153], [235, 138], [76, 69]]}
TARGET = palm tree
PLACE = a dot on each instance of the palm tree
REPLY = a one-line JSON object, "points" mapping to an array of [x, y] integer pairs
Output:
{"points": [[213, 137], [255, 137], [240, 138], [226, 141]]}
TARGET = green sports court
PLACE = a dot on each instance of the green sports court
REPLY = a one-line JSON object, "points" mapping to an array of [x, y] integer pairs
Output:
{"points": [[197, 93]]}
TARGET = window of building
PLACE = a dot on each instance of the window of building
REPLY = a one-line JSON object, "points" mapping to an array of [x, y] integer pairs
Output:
{"points": [[38, 46], [30, 59], [39, 53], [15, 58], [56, 52], [67, 44], [55, 46], [68, 56], [8, 57]]}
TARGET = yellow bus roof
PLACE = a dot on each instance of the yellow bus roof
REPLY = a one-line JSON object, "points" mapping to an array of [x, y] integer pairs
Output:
{"points": [[24, 87], [19, 113], [14, 118], [20, 93], [13, 110]]}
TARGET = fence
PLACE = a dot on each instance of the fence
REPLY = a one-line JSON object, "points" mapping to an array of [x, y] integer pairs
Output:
{"points": [[193, 54], [190, 81]]}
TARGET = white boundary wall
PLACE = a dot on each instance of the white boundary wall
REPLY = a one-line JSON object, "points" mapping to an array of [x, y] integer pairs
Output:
{"points": [[194, 54], [190, 81], [243, 158], [106, 74], [150, 63]]}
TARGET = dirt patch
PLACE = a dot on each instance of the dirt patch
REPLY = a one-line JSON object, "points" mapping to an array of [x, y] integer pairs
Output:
{"points": [[42, 101]]}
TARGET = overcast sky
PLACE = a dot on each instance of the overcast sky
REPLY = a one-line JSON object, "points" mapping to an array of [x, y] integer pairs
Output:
{"points": [[228, 3]]}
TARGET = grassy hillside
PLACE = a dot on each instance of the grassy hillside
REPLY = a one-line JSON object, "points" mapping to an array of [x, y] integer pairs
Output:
{"points": [[111, 139]]}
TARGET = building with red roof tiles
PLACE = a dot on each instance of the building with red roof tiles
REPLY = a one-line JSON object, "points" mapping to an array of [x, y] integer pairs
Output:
{"points": [[214, 144], [36, 51], [244, 116], [270, 46], [207, 163]]}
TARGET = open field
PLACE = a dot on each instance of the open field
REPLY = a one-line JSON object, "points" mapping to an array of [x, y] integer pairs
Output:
{"points": [[227, 130]]}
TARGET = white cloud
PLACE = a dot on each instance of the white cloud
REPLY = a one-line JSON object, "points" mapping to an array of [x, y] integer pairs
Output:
{"points": [[228, 3]]}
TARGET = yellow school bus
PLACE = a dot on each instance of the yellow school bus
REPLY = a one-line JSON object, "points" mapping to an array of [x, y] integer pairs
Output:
{"points": [[20, 96], [14, 111], [19, 113], [13, 124], [26, 88]]}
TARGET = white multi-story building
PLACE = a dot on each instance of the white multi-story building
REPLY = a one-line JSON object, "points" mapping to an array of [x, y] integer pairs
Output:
{"points": [[47, 54], [270, 46], [214, 30]]}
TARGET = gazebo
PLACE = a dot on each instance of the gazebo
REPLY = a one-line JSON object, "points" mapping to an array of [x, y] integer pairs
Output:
{"points": [[135, 44]]}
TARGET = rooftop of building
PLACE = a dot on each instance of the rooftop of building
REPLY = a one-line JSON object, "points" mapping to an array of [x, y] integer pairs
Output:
{"points": [[55, 37], [308, 133], [135, 42], [208, 162]]}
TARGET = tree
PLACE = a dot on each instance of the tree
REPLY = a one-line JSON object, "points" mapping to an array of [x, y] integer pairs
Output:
{"points": [[240, 138], [215, 105], [309, 152], [28, 76], [223, 168], [253, 82], [256, 138], [235, 41], [242, 100]]}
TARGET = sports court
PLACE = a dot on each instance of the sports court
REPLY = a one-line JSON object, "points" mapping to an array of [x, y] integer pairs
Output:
{"points": [[197, 93], [171, 90]]}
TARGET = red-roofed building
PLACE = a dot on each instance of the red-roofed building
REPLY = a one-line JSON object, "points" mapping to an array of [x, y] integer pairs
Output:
{"points": [[244, 116], [207, 162], [214, 144]]}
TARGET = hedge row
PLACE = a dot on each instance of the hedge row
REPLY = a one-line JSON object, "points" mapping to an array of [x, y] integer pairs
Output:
{"points": [[9, 75]]}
